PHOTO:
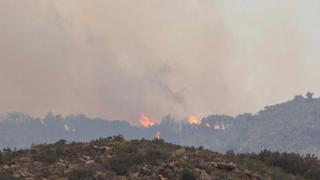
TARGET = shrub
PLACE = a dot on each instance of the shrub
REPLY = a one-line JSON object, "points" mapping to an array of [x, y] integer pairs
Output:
{"points": [[7, 177], [61, 142], [81, 174], [307, 166], [130, 155], [122, 163], [1, 158], [187, 175], [152, 156], [49, 154]]}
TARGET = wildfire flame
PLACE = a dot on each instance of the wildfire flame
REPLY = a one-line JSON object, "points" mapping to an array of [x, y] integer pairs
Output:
{"points": [[194, 120], [145, 121], [158, 137], [219, 127]]}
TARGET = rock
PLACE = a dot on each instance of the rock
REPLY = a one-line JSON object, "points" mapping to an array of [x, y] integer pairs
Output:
{"points": [[101, 149], [204, 175], [134, 175], [180, 151], [23, 173], [100, 175], [37, 163], [122, 178], [226, 166], [162, 178], [256, 177], [73, 166], [89, 162], [23, 159], [252, 175], [61, 163], [165, 172], [145, 170], [168, 167], [214, 164], [86, 158], [246, 171], [61, 178], [173, 163]]}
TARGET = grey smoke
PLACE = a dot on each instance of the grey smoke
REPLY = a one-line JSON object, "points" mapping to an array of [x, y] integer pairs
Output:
{"points": [[118, 59]]}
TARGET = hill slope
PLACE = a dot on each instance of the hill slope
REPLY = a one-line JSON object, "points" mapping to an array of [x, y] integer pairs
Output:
{"points": [[114, 158], [293, 126]]}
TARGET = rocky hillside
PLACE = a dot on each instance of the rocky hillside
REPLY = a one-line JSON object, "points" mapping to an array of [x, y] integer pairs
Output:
{"points": [[115, 158]]}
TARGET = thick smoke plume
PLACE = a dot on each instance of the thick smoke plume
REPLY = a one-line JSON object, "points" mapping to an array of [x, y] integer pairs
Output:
{"points": [[118, 59]]}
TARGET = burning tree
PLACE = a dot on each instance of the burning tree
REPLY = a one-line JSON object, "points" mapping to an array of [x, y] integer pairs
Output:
{"points": [[146, 122]]}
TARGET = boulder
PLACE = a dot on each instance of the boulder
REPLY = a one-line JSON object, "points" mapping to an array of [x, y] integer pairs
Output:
{"points": [[226, 166], [180, 151], [89, 162], [145, 171], [100, 175], [252, 175], [203, 175]]}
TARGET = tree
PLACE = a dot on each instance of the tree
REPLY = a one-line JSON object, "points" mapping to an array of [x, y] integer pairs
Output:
{"points": [[309, 95], [298, 97]]}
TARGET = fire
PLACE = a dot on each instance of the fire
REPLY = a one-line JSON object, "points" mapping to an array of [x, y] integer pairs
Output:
{"points": [[145, 121], [158, 137], [194, 120], [219, 127]]}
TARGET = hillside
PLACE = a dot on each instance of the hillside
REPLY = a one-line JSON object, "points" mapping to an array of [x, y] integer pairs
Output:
{"points": [[115, 158], [293, 126]]}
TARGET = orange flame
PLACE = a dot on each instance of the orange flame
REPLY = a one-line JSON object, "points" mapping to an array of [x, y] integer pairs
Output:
{"points": [[158, 137], [219, 127], [194, 120], [145, 121]]}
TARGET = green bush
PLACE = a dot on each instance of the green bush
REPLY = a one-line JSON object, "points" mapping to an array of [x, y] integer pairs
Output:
{"points": [[81, 174], [49, 154], [187, 175], [1, 157], [7, 177], [129, 156], [307, 166], [122, 162]]}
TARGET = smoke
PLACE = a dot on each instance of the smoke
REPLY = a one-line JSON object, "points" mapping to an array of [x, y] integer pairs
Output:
{"points": [[118, 59]]}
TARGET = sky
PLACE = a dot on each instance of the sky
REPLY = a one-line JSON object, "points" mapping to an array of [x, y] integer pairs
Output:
{"points": [[117, 59]]}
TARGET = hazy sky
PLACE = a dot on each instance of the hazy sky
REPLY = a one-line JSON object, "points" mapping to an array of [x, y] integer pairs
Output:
{"points": [[119, 58]]}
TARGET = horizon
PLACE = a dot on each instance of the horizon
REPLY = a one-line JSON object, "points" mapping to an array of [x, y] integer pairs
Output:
{"points": [[158, 121]]}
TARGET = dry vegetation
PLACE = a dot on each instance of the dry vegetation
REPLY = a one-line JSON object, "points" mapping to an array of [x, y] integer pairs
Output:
{"points": [[115, 158]]}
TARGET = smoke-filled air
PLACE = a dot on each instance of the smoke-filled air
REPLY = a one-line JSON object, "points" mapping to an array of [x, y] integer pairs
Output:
{"points": [[140, 60]]}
